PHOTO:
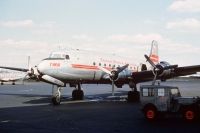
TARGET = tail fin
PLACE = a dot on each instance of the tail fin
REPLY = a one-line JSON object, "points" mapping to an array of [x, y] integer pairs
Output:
{"points": [[154, 52]]}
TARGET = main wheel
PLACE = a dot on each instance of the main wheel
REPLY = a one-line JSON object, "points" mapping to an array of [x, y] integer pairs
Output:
{"points": [[150, 113], [189, 114], [56, 100], [77, 95]]}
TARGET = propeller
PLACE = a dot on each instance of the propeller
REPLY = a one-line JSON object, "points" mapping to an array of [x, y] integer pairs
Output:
{"points": [[32, 72], [150, 61], [114, 74], [164, 68]]}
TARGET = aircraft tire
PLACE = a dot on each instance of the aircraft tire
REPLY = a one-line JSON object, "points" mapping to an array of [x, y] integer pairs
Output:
{"points": [[133, 96], [56, 100], [77, 95]]}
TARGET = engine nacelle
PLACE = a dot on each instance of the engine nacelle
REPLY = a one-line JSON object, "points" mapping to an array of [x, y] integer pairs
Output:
{"points": [[165, 70], [34, 73], [163, 65], [124, 74]]}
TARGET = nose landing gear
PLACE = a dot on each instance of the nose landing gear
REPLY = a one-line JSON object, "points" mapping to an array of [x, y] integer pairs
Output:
{"points": [[56, 99]]}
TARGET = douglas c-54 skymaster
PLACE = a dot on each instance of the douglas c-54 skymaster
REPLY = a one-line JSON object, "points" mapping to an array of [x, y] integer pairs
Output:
{"points": [[76, 67]]}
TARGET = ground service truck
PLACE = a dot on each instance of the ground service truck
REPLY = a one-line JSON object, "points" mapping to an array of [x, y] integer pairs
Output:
{"points": [[159, 100]]}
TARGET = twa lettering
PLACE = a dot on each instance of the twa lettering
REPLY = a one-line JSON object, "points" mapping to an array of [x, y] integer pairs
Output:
{"points": [[54, 64]]}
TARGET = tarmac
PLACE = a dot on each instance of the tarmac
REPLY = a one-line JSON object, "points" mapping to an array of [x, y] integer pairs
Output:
{"points": [[28, 109]]}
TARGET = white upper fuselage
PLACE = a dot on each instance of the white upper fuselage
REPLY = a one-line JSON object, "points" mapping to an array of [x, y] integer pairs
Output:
{"points": [[78, 65]]}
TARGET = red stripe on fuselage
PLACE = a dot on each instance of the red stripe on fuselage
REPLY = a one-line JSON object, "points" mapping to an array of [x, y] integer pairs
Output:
{"points": [[88, 67]]}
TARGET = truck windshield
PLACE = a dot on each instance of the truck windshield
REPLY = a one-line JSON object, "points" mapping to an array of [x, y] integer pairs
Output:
{"points": [[175, 92]]}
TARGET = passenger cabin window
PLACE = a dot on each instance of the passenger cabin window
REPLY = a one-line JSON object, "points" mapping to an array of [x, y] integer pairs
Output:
{"points": [[161, 92], [148, 92], [67, 57]]}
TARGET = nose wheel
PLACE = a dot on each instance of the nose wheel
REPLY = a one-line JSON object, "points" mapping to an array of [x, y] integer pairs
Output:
{"points": [[56, 95]]}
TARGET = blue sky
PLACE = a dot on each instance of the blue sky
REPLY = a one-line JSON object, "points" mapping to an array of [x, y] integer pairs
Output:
{"points": [[124, 27]]}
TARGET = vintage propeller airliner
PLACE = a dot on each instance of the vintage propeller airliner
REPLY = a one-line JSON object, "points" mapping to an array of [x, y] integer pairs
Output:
{"points": [[76, 67]]}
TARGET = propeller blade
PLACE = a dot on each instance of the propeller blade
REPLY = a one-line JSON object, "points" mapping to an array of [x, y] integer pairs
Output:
{"points": [[150, 61], [24, 78], [105, 70], [113, 88], [120, 69], [113, 74]]}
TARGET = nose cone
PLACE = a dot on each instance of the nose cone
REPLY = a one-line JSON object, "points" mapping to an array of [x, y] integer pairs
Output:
{"points": [[43, 67]]}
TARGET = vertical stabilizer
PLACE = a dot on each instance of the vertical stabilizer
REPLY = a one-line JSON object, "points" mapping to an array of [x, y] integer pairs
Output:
{"points": [[154, 57]]}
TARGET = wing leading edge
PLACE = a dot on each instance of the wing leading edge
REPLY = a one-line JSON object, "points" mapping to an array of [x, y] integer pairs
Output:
{"points": [[14, 68], [148, 75]]}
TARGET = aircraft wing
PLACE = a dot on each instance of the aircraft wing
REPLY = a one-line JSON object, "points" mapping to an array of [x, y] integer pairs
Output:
{"points": [[10, 79], [14, 68], [163, 75]]}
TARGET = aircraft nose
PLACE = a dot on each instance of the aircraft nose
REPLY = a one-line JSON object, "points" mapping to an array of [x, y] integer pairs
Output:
{"points": [[42, 67]]}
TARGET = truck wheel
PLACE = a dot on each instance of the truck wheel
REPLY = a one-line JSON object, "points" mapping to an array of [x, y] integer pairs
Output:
{"points": [[150, 113], [189, 114]]}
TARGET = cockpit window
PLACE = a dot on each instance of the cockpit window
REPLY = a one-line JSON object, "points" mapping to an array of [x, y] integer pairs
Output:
{"points": [[59, 56], [67, 57], [55, 56]]}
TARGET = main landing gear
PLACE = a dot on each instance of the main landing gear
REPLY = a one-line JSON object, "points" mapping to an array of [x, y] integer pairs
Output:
{"points": [[78, 93], [134, 95]]}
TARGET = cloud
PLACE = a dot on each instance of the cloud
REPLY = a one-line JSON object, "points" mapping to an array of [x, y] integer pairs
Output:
{"points": [[18, 24], [45, 28], [185, 6], [84, 37], [15, 52], [138, 38], [189, 24], [42, 28]]}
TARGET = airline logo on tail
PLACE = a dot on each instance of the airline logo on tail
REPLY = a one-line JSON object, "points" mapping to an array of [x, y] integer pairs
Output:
{"points": [[154, 52]]}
